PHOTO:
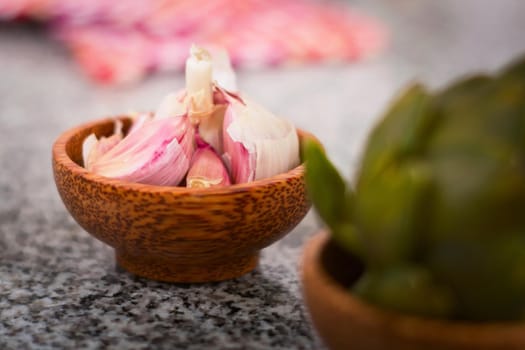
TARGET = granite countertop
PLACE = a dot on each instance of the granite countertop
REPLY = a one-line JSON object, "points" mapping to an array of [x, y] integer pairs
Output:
{"points": [[59, 287]]}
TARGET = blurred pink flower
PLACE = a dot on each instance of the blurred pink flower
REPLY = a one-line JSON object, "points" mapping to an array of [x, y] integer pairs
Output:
{"points": [[122, 41]]}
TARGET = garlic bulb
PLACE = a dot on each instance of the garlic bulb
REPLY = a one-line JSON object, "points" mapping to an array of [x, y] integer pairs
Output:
{"points": [[255, 144], [157, 153], [239, 141]]}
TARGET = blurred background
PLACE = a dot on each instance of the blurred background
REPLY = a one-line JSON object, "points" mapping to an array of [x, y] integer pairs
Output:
{"points": [[331, 67]]}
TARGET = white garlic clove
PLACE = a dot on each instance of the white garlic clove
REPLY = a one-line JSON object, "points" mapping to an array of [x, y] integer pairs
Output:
{"points": [[257, 144]]}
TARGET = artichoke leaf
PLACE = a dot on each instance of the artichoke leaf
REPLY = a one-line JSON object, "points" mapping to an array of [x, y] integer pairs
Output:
{"points": [[393, 210], [327, 190], [479, 190]]}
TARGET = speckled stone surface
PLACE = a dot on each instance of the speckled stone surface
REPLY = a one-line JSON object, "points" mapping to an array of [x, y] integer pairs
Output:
{"points": [[59, 288]]}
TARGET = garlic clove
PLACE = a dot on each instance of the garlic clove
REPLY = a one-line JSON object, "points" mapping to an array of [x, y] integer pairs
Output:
{"points": [[257, 144], [238, 159], [210, 128], [199, 84], [157, 153], [207, 170]]}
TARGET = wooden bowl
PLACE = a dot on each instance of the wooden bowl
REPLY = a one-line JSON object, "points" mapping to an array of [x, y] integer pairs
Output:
{"points": [[345, 322], [176, 234]]}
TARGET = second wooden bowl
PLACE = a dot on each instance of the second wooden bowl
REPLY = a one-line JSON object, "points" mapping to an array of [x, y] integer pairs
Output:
{"points": [[177, 234], [345, 322]]}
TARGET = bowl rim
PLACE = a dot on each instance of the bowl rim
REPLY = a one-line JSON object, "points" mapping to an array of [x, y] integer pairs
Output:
{"points": [[61, 157], [408, 327]]}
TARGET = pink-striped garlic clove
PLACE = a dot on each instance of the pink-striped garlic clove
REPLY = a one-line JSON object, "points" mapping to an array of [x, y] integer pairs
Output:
{"points": [[157, 153], [207, 170]]}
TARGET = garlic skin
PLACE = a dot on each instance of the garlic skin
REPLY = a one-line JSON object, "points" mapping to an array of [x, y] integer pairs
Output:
{"points": [[93, 148], [157, 153], [210, 128], [172, 105], [207, 170], [223, 73], [257, 144]]}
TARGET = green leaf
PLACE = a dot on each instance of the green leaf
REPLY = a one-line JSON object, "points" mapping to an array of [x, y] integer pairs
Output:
{"points": [[479, 189], [481, 108], [326, 188], [392, 212], [464, 88]]}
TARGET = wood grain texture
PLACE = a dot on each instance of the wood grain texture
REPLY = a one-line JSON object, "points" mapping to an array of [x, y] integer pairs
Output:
{"points": [[173, 233], [345, 322]]}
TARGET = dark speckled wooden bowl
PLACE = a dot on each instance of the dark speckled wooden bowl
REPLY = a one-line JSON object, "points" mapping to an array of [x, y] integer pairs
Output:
{"points": [[176, 234], [347, 323]]}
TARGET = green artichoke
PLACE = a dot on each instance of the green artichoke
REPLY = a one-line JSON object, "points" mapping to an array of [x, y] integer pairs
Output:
{"points": [[437, 211]]}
